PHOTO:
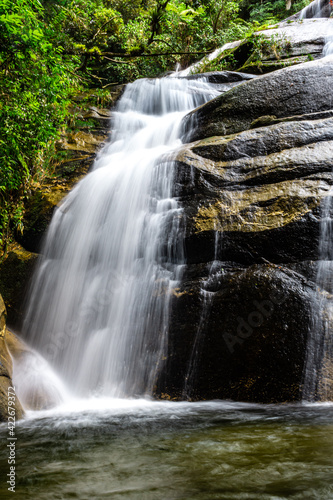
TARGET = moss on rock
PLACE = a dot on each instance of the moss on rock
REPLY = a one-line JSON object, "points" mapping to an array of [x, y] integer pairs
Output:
{"points": [[15, 273]]}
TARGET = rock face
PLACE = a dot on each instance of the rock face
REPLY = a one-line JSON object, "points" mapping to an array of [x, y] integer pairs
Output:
{"points": [[15, 272], [6, 367], [252, 198], [240, 335], [289, 44], [297, 90]]}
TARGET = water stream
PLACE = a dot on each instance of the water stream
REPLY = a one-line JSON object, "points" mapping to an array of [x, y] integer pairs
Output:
{"points": [[100, 301]]}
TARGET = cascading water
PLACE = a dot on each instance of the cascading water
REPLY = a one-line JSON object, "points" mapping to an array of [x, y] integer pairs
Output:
{"points": [[318, 372], [320, 9], [318, 376], [316, 9], [207, 298], [100, 298]]}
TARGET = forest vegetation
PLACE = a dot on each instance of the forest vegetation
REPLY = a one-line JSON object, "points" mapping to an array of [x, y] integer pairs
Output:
{"points": [[51, 50]]}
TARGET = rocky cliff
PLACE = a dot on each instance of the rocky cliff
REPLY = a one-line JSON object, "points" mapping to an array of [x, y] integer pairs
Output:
{"points": [[252, 184]]}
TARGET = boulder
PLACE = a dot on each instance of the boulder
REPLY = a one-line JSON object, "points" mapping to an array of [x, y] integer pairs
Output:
{"points": [[239, 335], [16, 269], [252, 186], [287, 44], [259, 190], [296, 90], [8, 398]]}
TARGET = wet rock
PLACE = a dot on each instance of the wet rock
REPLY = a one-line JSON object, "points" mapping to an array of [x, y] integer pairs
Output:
{"points": [[252, 187], [239, 336], [15, 272], [260, 191], [291, 91], [6, 370]]}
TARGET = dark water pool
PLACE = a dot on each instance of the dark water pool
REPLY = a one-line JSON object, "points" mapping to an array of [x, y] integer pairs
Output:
{"points": [[140, 450]]}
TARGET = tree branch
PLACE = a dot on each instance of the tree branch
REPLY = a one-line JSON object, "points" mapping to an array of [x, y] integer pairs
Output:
{"points": [[100, 29], [123, 56]]}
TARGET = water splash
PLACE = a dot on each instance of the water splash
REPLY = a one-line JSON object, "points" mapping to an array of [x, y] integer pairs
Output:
{"points": [[100, 300], [38, 387]]}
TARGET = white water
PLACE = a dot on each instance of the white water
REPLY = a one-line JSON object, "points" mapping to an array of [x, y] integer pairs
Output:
{"points": [[319, 363], [318, 372], [316, 9], [313, 10], [100, 300], [320, 9]]}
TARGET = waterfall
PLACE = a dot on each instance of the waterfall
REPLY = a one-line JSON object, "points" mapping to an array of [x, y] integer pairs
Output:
{"points": [[318, 8], [318, 375], [207, 293], [318, 372], [99, 303]]}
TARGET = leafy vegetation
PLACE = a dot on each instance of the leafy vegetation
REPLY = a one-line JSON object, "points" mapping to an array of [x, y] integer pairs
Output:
{"points": [[52, 49]]}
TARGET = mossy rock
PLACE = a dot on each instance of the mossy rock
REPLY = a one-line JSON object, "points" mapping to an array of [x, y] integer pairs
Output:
{"points": [[6, 371], [16, 270], [40, 206], [287, 92]]}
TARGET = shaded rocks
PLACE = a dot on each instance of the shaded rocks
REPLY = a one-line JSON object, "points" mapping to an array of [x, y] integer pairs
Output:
{"points": [[291, 91], [16, 269], [261, 190], [240, 335], [252, 187], [6, 370]]}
